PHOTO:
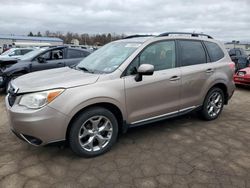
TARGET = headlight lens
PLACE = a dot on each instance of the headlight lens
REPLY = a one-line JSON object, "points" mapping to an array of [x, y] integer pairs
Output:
{"points": [[39, 99]]}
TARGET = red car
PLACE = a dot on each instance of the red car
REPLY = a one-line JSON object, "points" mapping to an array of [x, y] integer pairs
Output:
{"points": [[242, 77]]}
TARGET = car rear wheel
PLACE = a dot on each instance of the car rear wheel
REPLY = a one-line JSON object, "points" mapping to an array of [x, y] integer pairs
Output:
{"points": [[93, 133], [213, 104]]}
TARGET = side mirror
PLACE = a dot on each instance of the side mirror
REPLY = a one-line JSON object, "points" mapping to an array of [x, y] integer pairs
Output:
{"points": [[41, 59], [144, 69]]}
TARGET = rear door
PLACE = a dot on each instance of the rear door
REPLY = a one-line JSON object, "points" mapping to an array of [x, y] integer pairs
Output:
{"points": [[157, 95], [74, 56], [195, 72]]}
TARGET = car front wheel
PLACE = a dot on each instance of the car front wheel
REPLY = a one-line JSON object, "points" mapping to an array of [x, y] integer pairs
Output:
{"points": [[93, 132]]}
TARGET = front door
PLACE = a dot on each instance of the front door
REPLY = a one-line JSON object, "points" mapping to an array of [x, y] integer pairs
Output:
{"points": [[156, 95], [52, 59]]}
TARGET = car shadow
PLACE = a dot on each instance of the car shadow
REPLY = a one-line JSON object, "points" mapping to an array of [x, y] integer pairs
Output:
{"points": [[243, 87]]}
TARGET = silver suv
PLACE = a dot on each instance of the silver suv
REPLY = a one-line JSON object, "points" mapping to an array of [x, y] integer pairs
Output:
{"points": [[125, 83]]}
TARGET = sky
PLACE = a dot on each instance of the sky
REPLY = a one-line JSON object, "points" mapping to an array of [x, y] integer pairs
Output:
{"points": [[225, 20]]}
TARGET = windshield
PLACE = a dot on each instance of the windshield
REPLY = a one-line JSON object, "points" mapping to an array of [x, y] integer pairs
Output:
{"points": [[109, 57], [32, 54], [7, 52]]}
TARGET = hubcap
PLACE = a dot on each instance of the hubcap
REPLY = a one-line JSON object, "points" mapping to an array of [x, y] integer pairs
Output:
{"points": [[95, 133], [214, 104]]}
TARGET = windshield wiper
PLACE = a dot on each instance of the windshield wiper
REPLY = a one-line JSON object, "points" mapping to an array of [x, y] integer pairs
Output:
{"points": [[84, 69]]}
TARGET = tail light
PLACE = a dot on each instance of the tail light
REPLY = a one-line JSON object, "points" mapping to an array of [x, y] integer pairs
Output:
{"points": [[241, 73], [232, 66]]}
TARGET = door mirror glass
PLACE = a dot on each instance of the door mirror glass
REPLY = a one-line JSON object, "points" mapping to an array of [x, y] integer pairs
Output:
{"points": [[144, 69]]}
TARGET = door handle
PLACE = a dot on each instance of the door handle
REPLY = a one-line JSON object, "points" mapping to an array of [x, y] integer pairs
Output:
{"points": [[174, 78], [210, 70]]}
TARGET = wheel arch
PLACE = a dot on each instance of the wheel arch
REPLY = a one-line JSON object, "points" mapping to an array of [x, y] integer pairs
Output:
{"points": [[223, 87], [111, 107]]}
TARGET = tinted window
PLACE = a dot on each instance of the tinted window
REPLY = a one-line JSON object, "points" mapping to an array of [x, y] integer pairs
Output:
{"points": [[232, 52], [214, 51], [75, 53], [238, 53], [25, 51], [191, 53]]}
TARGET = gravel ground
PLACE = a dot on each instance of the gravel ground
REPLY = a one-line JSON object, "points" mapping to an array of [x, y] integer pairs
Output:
{"points": [[181, 152]]}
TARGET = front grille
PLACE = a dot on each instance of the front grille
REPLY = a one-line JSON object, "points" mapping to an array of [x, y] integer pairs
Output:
{"points": [[11, 99]]}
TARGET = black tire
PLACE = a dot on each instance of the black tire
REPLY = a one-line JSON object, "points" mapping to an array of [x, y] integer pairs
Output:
{"points": [[76, 127], [205, 111]]}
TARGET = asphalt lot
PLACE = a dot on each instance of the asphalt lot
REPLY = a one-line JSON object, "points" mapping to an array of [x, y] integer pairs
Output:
{"points": [[181, 152]]}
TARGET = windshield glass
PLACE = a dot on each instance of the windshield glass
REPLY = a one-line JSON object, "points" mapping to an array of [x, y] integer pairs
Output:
{"points": [[7, 52], [32, 54], [109, 57]]}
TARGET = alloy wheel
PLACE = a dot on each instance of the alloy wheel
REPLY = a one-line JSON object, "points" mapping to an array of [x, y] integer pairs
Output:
{"points": [[214, 104], [95, 133]]}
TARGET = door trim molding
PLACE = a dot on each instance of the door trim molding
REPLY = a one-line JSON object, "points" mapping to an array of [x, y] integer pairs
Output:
{"points": [[163, 116]]}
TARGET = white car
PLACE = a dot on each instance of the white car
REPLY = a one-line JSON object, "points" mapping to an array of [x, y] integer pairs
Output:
{"points": [[15, 53]]}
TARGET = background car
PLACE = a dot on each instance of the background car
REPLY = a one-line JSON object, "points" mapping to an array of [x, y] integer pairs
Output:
{"points": [[15, 53], [242, 77], [239, 57], [40, 59]]}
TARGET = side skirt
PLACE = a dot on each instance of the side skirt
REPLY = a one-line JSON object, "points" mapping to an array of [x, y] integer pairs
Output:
{"points": [[164, 117]]}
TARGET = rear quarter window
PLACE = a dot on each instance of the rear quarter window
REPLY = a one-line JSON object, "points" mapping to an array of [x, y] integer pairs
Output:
{"points": [[214, 51]]}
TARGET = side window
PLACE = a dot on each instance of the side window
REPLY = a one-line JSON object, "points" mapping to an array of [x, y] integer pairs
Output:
{"points": [[53, 55], [214, 51], [47, 55], [25, 51], [191, 53], [17, 52], [238, 53], [74, 54], [160, 54], [232, 52], [84, 53]]}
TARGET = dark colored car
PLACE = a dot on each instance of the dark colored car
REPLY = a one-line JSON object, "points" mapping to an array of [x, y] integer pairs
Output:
{"points": [[239, 57], [40, 59]]}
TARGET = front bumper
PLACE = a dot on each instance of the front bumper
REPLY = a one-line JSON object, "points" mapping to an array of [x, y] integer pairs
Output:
{"points": [[37, 127]]}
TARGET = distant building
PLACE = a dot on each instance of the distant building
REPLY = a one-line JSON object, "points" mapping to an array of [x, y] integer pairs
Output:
{"points": [[237, 44], [75, 42], [7, 41]]}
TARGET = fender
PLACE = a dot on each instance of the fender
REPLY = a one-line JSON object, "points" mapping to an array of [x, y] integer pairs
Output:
{"points": [[96, 101]]}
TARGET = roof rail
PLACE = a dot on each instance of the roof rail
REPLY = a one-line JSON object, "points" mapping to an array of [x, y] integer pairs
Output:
{"points": [[185, 33], [135, 36]]}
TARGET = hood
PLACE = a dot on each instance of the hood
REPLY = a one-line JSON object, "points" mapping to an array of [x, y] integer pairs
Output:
{"points": [[54, 78]]}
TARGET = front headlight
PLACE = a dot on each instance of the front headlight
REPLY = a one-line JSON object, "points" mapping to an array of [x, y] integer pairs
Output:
{"points": [[39, 99]]}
